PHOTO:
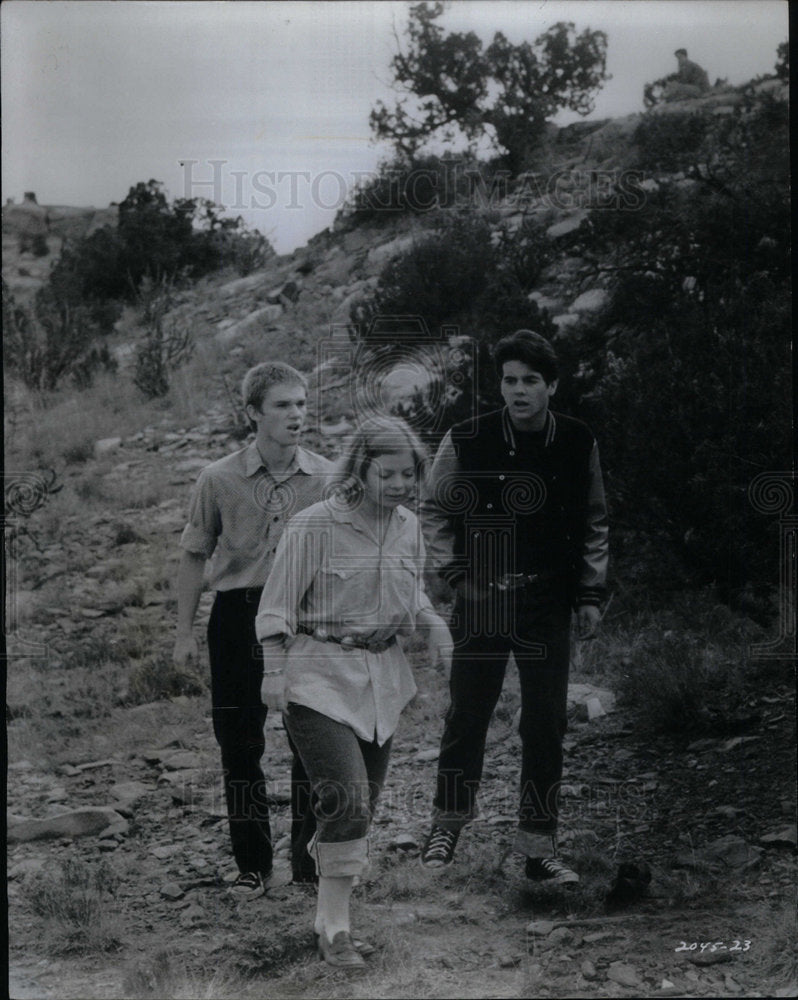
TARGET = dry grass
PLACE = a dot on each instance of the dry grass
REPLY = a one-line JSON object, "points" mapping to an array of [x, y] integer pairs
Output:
{"points": [[77, 909]]}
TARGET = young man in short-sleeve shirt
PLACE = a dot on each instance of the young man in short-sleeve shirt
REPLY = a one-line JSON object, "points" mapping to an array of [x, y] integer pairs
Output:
{"points": [[239, 508]]}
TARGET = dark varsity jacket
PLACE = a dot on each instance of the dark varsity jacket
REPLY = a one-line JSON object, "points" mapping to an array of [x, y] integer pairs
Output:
{"points": [[499, 502]]}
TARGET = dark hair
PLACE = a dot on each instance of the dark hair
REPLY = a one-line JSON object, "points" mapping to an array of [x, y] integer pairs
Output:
{"points": [[374, 436], [680, 52], [531, 348]]}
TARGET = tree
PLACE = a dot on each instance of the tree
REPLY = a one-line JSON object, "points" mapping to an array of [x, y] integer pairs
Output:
{"points": [[509, 91]]}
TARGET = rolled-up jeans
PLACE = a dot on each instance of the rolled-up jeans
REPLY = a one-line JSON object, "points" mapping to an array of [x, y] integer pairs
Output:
{"points": [[346, 775]]}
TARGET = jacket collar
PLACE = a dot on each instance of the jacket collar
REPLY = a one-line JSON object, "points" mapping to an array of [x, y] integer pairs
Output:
{"points": [[549, 428]]}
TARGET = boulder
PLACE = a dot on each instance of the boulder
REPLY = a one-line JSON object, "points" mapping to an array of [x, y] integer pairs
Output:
{"points": [[77, 823]]}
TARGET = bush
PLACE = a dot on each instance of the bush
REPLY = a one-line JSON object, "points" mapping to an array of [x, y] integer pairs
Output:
{"points": [[77, 906], [670, 142], [167, 341], [51, 340], [466, 278]]}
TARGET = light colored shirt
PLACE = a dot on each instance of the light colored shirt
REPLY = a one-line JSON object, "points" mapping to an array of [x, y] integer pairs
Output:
{"points": [[238, 511], [331, 573]]}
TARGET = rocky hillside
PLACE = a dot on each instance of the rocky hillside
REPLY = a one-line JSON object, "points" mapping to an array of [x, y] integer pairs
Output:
{"points": [[118, 852]]}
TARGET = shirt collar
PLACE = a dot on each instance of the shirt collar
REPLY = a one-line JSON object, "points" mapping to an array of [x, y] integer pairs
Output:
{"points": [[253, 462], [344, 515]]}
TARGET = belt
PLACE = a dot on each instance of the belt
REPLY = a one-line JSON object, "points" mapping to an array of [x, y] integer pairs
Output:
{"points": [[348, 641], [516, 581]]}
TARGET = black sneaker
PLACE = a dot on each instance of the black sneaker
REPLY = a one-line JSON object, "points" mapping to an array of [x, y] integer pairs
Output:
{"points": [[549, 870], [250, 885], [438, 851]]}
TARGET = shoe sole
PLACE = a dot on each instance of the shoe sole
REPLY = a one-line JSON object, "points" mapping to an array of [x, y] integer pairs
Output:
{"points": [[435, 866], [535, 882]]}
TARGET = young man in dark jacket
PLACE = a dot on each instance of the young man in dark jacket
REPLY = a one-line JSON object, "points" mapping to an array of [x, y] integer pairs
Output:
{"points": [[515, 520]]}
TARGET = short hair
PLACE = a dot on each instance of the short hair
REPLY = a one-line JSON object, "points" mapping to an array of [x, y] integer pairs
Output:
{"points": [[262, 377], [376, 435], [680, 52], [531, 348]]}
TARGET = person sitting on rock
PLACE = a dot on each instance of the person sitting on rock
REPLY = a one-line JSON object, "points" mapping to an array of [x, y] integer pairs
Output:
{"points": [[689, 81]]}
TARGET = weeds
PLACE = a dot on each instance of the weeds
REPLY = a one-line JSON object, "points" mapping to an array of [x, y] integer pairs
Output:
{"points": [[76, 905]]}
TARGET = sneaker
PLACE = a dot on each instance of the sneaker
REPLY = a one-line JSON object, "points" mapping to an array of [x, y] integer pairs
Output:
{"points": [[250, 885], [549, 870], [438, 851]]}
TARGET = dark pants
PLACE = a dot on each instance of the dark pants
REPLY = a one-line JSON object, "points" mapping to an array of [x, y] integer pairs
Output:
{"points": [[536, 631], [238, 720], [347, 774]]}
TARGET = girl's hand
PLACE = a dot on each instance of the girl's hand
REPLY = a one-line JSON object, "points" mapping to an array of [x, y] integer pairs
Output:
{"points": [[272, 691]]}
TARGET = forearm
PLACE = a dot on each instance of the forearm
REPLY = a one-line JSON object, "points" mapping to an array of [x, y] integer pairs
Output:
{"points": [[189, 588]]}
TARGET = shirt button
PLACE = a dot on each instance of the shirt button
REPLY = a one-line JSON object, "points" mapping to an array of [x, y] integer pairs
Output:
{"points": [[276, 518], [501, 478], [490, 506], [512, 453], [476, 534]]}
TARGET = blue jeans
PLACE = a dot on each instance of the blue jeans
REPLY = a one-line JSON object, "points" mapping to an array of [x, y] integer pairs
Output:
{"points": [[537, 633], [346, 775]]}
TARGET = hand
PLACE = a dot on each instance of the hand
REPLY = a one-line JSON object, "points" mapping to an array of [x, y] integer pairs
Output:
{"points": [[440, 644], [272, 691], [588, 617], [186, 652]]}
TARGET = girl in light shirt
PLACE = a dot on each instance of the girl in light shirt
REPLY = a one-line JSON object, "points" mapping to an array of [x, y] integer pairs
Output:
{"points": [[347, 580]]}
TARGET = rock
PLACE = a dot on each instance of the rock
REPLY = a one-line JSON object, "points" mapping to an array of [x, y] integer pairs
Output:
{"points": [[786, 837], [77, 823], [559, 936], [172, 891], [403, 842], [379, 256], [623, 975], [255, 321], [580, 694], [594, 709], [119, 830], [106, 446], [431, 753], [709, 957], [566, 226], [342, 426], [590, 301], [588, 970], [163, 851], [28, 866], [729, 850], [128, 794], [565, 320], [181, 760], [540, 927], [188, 464]]}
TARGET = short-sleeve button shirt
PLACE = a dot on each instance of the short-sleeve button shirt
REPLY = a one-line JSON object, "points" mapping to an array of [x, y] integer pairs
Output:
{"points": [[239, 509]]}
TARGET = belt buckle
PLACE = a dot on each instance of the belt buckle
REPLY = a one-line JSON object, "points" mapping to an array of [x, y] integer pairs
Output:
{"points": [[377, 647]]}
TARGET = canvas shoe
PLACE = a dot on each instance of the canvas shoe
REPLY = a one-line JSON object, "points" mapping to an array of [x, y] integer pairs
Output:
{"points": [[550, 871], [438, 851], [250, 885]]}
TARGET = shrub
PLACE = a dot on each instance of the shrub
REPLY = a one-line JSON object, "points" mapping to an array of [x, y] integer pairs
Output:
{"points": [[51, 340], [670, 142], [77, 906], [167, 342]]}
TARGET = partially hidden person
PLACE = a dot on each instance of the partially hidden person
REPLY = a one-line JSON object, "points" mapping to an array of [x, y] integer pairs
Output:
{"points": [[239, 507]]}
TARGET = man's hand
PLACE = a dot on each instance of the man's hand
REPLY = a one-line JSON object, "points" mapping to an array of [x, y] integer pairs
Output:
{"points": [[186, 652], [440, 644], [588, 617], [272, 691]]}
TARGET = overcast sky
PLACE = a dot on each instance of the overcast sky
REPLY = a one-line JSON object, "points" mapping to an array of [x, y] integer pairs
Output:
{"points": [[97, 96]]}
